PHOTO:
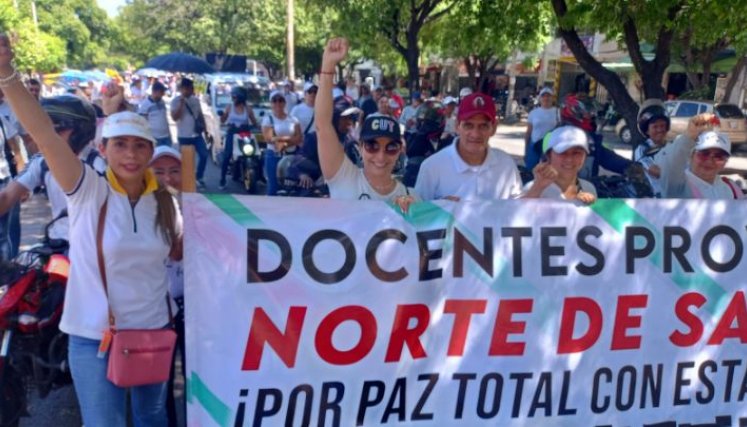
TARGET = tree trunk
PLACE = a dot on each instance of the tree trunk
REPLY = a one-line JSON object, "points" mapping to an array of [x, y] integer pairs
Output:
{"points": [[651, 72], [413, 60], [471, 69], [734, 78]]}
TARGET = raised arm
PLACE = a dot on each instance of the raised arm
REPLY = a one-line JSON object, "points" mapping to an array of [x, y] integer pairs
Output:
{"points": [[65, 166], [331, 153]]}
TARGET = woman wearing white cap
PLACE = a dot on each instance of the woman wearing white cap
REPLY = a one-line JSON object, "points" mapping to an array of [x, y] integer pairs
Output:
{"points": [[540, 121], [282, 133], [707, 153], [381, 145], [556, 176], [141, 229]]}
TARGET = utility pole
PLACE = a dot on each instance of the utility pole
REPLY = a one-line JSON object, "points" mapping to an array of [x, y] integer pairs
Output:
{"points": [[290, 43], [33, 14]]}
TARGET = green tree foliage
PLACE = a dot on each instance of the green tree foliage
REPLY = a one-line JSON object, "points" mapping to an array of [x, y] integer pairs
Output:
{"points": [[35, 50], [484, 34], [398, 22], [256, 29]]}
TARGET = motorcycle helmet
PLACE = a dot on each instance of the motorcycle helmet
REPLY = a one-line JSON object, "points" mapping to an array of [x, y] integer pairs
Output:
{"points": [[239, 94], [431, 117], [72, 112], [578, 111], [651, 111]]}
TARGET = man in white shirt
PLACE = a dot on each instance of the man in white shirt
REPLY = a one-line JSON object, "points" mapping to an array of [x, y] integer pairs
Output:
{"points": [[153, 108], [186, 111], [469, 169], [291, 97], [304, 111]]}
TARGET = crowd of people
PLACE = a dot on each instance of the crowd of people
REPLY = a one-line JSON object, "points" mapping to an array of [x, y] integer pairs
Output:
{"points": [[117, 175]]}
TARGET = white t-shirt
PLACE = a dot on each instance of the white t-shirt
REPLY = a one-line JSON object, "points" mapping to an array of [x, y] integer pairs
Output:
{"points": [[305, 116], [282, 127], [349, 183], [7, 131], [185, 126], [719, 190], [543, 120], [553, 191], [11, 123], [134, 252], [291, 99], [155, 112], [647, 160], [447, 174], [33, 176]]}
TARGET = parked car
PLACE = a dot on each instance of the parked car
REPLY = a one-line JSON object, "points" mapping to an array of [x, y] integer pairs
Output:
{"points": [[731, 120]]}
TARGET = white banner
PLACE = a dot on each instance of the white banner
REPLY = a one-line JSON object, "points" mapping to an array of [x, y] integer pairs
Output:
{"points": [[329, 313]]}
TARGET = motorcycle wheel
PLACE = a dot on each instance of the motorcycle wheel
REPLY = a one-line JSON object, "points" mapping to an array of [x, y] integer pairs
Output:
{"points": [[250, 180], [13, 402]]}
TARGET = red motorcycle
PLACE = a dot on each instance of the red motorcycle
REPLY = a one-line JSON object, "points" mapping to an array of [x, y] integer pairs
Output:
{"points": [[33, 350]]}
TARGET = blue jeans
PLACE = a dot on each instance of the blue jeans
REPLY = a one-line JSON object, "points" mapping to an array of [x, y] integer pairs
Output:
{"points": [[7, 222], [227, 154], [531, 154], [163, 141], [104, 404], [271, 171], [202, 153]]}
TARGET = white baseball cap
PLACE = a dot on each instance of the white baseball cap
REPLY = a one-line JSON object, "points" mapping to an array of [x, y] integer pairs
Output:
{"points": [[166, 151], [546, 90], [465, 92], [127, 123], [565, 137], [450, 100], [337, 92], [712, 139], [307, 86]]}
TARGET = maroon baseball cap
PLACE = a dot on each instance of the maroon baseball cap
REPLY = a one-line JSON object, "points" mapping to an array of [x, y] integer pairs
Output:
{"points": [[474, 104]]}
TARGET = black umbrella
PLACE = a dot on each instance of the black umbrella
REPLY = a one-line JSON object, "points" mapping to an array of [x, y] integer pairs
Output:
{"points": [[180, 63]]}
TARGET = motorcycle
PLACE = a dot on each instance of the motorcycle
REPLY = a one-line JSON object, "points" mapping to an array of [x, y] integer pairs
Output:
{"points": [[247, 159], [290, 169], [33, 351]]}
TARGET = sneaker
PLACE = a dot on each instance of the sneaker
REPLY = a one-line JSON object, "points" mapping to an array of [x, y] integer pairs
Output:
{"points": [[222, 185], [201, 184]]}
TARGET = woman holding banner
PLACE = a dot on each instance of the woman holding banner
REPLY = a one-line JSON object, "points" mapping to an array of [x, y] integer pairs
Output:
{"points": [[380, 146], [706, 152], [134, 225], [556, 176]]}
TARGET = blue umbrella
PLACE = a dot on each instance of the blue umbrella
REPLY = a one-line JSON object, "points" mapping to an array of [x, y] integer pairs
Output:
{"points": [[180, 63]]}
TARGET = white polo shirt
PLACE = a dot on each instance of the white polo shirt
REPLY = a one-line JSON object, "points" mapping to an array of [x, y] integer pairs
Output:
{"points": [[447, 174], [134, 252]]}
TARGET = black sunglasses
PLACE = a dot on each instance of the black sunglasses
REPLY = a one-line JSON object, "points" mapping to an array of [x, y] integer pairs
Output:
{"points": [[277, 100], [373, 147]]}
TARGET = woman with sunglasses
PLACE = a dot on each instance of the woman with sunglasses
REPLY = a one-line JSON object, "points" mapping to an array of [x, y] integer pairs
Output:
{"points": [[381, 145], [282, 134], [707, 153]]}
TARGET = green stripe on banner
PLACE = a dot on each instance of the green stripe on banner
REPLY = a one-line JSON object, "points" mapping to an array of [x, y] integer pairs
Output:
{"points": [[218, 411], [234, 209], [427, 215], [619, 215]]}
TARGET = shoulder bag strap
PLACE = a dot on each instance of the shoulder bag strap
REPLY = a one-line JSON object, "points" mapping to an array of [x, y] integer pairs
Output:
{"points": [[731, 185], [102, 265], [100, 256], [308, 127]]}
